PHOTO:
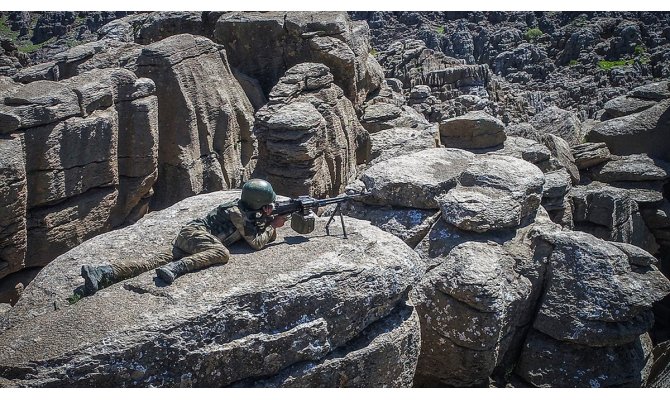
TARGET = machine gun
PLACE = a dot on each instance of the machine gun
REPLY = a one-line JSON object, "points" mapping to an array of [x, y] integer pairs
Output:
{"points": [[301, 207]]}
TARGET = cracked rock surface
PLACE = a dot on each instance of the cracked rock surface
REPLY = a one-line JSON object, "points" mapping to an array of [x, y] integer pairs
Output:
{"points": [[260, 316]]}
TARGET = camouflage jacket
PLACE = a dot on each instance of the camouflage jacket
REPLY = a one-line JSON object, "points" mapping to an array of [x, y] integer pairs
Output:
{"points": [[231, 222]]}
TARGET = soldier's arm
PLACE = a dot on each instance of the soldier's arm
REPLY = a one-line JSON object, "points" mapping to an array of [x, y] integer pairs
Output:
{"points": [[256, 237]]}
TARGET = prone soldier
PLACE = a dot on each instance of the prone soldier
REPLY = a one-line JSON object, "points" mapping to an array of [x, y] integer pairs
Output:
{"points": [[202, 242]]}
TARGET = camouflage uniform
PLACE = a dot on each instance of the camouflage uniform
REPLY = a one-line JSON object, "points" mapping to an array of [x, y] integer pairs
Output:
{"points": [[202, 242]]}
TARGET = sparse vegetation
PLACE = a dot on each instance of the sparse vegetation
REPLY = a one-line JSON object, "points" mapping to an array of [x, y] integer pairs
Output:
{"points": [[5, 30], [373, 51], [440, 30], [608, 65], [30, 47], [573, 63], [74, 298], [639, 50], [533, 34]]}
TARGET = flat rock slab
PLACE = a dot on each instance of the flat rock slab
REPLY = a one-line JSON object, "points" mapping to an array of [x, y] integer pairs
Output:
{"points": [[474, 130], [635, 167], [415, 180], [297, 300]]}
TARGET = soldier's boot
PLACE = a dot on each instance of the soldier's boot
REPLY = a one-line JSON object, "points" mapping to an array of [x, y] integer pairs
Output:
{"points": [[97, 277], [171, 271]]}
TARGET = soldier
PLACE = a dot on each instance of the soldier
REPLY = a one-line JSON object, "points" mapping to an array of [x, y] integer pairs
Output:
{"points": [[202, 242]]}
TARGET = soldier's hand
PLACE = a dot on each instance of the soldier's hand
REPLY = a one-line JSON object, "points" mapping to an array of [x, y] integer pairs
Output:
{"points": [[278, 221]]}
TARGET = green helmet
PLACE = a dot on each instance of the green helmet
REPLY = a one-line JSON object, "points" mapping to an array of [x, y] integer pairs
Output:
{"points": [[257, 193]]}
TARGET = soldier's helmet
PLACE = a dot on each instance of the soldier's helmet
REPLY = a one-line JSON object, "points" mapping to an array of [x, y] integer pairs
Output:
{"points": [[257, 193]]}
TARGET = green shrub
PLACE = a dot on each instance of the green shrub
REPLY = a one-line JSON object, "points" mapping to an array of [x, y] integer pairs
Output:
{"points": [[373, 52], [608, 65], [533, 34], [573, 63], [639, 50], [440, 30]]}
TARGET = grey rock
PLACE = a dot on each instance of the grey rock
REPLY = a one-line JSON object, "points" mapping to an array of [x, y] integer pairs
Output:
{"points": [[637, 257], [635, 167], [394, 142], [525, 149], [657, 217], [643, 132], [556, 184], [593, 297], [659, 374], [415, 180], [409, 224], [469, 306], [474, 130], [653, 91], [494, 192], [213, 316], [587, 155], [382, 115], [57, 171], [13, 203], [608, 366], [117, 30], [309, 142], [205, 119], [625, 105], [160, 25], [290, 38], [523, 130], [562, 123], [560, 149], [41, 103]]}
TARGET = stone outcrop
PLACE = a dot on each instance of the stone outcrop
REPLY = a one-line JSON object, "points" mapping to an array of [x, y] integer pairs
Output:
{"points": [[13, 192], [309, 140], [414, 180], [493, 192], [469, 306], [643, 132], [204, 118], [390, 143], [289, 38], [562, 123], [474, 130], [89, 159], [290, 314], [598, 330]]}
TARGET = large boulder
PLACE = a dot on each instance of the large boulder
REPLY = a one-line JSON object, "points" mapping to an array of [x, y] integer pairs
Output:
{"points": [[90, 158], [469, 307], [289, 38], [493, 192], [204, 118], [474, 130], [414, 180], [562, 123], [610, 213], [394, 142], [309, 139], [590, 154], [593, 315], [290, 314], [643, 132]]}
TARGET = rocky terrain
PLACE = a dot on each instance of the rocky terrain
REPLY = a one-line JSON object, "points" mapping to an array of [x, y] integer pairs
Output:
{"points": [[515, 227]]}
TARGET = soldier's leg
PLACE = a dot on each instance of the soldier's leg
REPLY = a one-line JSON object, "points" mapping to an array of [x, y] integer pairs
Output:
{"points": [[203, 249], [100, 276]]}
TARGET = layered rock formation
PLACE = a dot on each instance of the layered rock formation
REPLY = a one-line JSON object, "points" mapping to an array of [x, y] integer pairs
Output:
{"points": [[205, 119], [308, 134], [89, 159], [322, 318], [287, 39]]}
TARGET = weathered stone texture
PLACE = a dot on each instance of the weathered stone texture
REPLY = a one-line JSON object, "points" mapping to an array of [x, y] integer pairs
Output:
{"points": [[256, 318], [13, 200], [289, 38], [204, 118], [309, 139]]}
